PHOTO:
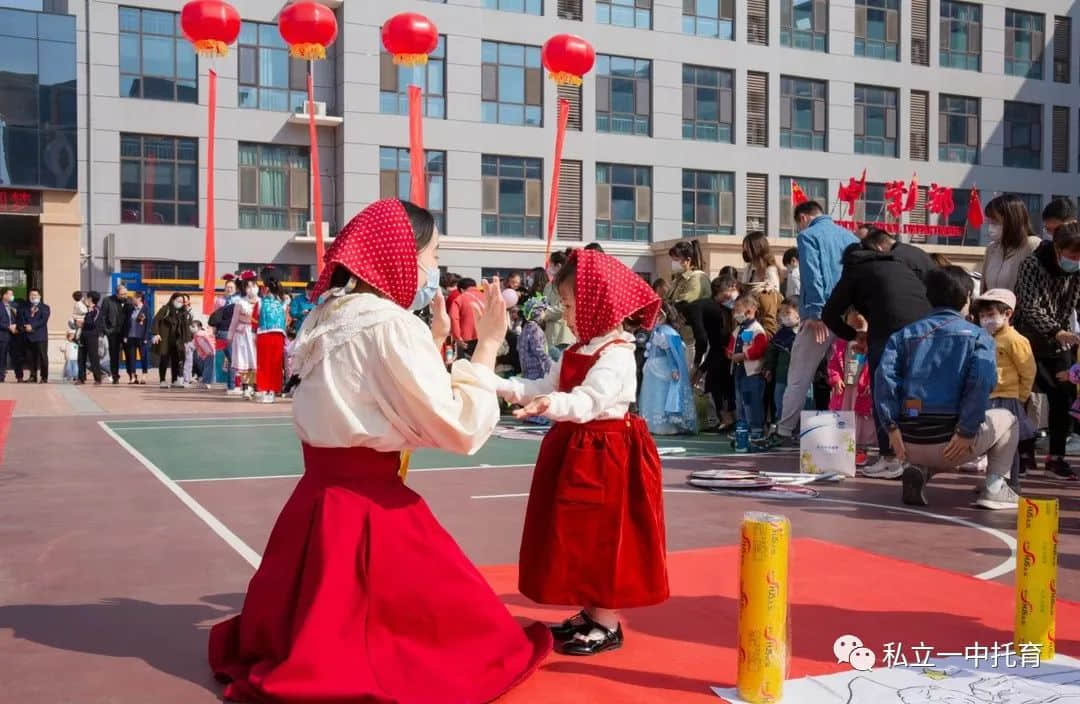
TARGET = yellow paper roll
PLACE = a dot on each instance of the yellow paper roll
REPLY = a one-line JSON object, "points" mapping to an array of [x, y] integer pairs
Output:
{"points": [[1036, 574], [763, 608]]}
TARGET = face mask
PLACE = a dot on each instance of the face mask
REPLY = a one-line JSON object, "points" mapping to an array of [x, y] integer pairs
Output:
{"points": [[677, 266], [424, 296], [34, 300], [793, 267], [994, 231], [992, 324], [789, 321], [1047, 234], [729, 303], [1069, 266], [253, 293], [739, 318], [178, 304]]}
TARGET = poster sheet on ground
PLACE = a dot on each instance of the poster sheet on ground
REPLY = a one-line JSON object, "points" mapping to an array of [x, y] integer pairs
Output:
{"points": [[950, 681]]}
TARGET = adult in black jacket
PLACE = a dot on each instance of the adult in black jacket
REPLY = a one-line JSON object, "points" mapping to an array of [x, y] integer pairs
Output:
{"points": [[889, 294], [917, 259], [710, 319], [34, 327], [116, 316], [8, 327], [92, 330]]}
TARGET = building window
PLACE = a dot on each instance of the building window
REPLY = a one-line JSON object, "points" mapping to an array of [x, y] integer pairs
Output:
{"points": [[160, 269], [804, 24], [395, 180], [1024, 43], [268, 78], [623, 95], [875, 121], [871, 208], [708, 203], [1023, 135], [708, 103], [709, 18], [961, 35], [814, 188], [625, 13], [512, 85], [958, 129], [286, 273], [275, 180], [803, 117], [1034, 204], [512, 196], [159, 180], [877, 29], [156, 61], [394, 83], [623, 202], [529, 7]]}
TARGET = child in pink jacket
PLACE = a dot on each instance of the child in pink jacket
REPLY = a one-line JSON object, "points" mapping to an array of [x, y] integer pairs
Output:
{"points": [[849, 378]]}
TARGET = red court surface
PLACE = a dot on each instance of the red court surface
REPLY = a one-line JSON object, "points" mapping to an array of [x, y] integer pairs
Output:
{"points": [[111, 572]]}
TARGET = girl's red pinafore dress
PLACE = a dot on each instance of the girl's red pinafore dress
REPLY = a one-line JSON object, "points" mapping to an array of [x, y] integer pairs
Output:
{"points": [[594, 526]]}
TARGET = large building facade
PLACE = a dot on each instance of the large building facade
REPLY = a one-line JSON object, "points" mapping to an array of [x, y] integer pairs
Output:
{"points": [[696, 119]]}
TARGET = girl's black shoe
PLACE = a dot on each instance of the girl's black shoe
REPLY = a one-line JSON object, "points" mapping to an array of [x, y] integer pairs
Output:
{"points": [[597, 640], [1060, 469], [578, 623]]}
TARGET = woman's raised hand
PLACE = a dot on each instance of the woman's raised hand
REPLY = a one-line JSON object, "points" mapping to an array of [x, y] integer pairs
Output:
{"points": [[491, 315]]}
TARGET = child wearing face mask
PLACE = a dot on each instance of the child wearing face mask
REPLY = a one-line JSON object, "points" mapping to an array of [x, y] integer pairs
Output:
{"points": [[747, 348], [849, 379], [993, 310], [778, 355], [666, 399], [242, 337]]}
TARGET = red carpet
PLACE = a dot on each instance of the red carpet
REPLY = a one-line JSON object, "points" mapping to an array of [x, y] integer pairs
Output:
{"points": [[6, 409], [675, 651]]}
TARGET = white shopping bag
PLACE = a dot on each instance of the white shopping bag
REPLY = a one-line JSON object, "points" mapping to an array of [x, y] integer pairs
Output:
{"points": [[827, 442]]}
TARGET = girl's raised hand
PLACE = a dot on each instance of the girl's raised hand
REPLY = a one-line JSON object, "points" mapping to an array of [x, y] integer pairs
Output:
{"points": [[537, 407]]}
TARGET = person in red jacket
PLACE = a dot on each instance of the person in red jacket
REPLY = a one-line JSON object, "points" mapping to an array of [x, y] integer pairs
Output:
{"points": [[463, 316]]}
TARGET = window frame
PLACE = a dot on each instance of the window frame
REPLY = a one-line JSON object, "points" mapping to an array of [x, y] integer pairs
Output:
{"points": [[864, 122], [693, 103], [639, 226], [692, 22], [256, 208], [146, 205], [946, 113], [642, 12], [725, 217], [1034, 67], [181, 270], [816, 37], [1033, 152], [606, 95], [491, 79], [865, 46], [498, 5], [433, 93], [494, 215], [181, 46], [293, 93], [788, 114], [948, 57], [401, 158]]}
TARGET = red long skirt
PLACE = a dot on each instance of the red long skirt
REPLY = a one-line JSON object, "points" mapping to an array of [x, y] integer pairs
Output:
{"points": [[363, 597], [270, 361], [594, 526]]}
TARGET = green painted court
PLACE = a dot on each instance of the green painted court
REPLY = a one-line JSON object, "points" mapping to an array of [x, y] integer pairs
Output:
{"points": [[194, 449]]}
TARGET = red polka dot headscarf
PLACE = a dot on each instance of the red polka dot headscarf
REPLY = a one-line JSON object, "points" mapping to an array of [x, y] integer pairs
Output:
{"points": [[607, 292], [378, 247]]}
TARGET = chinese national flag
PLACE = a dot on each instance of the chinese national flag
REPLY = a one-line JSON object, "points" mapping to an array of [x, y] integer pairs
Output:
{"points": [[798, 197], [913, 194], [975, 210]]}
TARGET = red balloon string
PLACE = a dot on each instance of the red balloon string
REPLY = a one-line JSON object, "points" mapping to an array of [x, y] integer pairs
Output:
{"points": [[553, 203], [417, 163], [316, 178], [209, 253]]}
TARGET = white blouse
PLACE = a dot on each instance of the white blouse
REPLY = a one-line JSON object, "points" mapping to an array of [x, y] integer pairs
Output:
{"points": [[372, 377], [607, 392]]}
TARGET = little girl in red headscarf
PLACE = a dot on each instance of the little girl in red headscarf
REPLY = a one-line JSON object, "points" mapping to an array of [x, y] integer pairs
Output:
{"points": [[594, 526]]}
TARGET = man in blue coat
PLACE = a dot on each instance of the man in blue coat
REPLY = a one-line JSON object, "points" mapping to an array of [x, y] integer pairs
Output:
{"points": [[34, 324], [8, 328], [821, 245]]}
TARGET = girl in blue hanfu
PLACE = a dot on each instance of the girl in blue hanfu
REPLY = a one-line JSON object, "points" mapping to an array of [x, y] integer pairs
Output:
{"points": [[594, 525], [667, 401], [270, 340]]}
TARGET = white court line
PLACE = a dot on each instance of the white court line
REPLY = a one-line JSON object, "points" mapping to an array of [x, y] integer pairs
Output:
{"points": [[1008, 565], [215, 426], [194, 417], [253, 558], [418, 470]]}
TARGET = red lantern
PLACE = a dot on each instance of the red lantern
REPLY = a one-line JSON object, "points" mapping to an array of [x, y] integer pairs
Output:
{"points": [[211, 25], [308, 28], [567, 58], [410, 37]]}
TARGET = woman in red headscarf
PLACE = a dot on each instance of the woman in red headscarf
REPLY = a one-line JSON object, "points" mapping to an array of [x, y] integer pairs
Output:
{"points": [[594, 526], [361, 594]]}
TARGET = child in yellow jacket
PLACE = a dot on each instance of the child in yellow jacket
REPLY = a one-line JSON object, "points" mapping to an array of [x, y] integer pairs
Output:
{"points": [[1015, 369]]}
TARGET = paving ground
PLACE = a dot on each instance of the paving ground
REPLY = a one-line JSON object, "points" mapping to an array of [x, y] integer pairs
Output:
{"points": [[131, 517]]}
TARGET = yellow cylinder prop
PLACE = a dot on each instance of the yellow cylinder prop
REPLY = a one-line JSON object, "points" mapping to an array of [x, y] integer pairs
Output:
{"points": [[763, 608], [1036, 574]]}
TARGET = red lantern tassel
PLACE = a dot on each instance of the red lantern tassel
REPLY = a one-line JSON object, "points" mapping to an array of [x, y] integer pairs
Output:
{"points": [[316, 179], [209, 253], [417, 163], [553, 203]]}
